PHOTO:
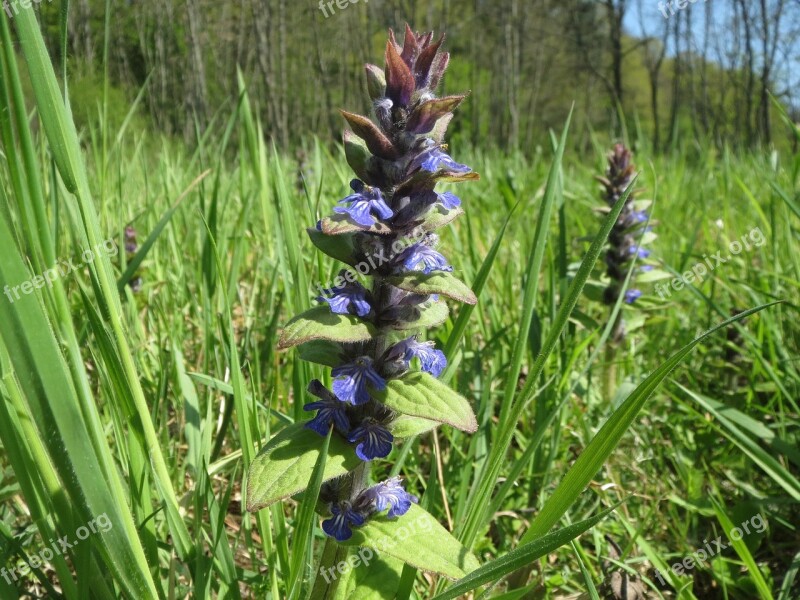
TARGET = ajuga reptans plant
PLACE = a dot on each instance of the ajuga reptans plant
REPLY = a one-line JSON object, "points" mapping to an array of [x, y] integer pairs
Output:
{"points": [[370, 321], [625, 242]]}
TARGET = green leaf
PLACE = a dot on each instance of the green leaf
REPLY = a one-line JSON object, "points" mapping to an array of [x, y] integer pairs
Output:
{"points": [[321, 352], [417, 539], [422, 395], [405, 426], [357, 155], [520, 557], [430, 315], [339, 247], [741, 549], [654, 275], [437, 282], [284, 465], [367, 577], [320, 323], [339, 224], [438, 218]]}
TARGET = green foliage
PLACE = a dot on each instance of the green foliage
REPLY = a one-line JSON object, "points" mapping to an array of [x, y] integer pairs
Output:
{"points": [[444, 284], [319, 323], [150, 406], [418, 540], [283, 467], [421, 395]]}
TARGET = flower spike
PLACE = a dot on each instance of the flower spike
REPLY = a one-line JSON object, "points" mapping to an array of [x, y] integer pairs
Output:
{"points": [[384, 228]]}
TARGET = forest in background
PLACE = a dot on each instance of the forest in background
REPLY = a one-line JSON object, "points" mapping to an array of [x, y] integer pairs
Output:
{"points": [[703, 73]]}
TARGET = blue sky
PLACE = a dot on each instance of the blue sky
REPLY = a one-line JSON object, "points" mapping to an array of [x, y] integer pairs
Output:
{"points": [[644, 17]]}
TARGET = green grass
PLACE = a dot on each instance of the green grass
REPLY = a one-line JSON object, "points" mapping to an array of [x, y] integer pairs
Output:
{"points": [[149, 406]]}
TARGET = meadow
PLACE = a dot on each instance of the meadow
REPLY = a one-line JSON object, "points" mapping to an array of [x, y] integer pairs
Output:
{"points": [[138, 385]]}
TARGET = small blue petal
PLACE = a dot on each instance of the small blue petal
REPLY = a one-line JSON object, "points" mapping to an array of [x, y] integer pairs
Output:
{"points": [[421, 254], [390, 494], [344, 517], [449, 200], [329, 411], [349, 299], [434, 160], [358, 211], [362, 203], [351, 383], [372, 439], [431, 360], [632, 295]]}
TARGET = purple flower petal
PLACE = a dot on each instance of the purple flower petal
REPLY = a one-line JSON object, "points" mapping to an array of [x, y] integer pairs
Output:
{"points": [[372, 439], [349, 299], [351, 383], [330, 410], [422, 254], [431, 360], [632, 296], [344, 517], [390, 494], [449, 200], [363, 203], [434, 160]]}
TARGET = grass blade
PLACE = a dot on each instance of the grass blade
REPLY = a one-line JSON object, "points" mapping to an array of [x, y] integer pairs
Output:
{"points": [[520, 556], [595, 454]]}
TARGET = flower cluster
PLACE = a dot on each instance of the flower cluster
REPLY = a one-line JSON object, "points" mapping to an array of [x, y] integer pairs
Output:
{"points": [[626, 236], [398, 162], [346, 514]]}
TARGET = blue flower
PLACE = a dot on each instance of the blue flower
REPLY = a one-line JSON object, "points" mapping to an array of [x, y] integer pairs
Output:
{"points": [[351, 385], [634, 218], [431, 359], [361, 204], [632, 295], [373, 440], [423, 254], [449, 200], [329, 410], [344, 517], [390, 494], [640, 252], [433, 160], [646, 268], [352, 298]]}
